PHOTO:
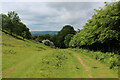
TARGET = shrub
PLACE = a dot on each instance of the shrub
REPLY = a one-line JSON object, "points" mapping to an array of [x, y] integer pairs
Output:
{"points": [[48, 43]]}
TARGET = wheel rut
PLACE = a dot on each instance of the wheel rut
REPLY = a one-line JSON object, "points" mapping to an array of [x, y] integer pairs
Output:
{"points": [[86, 68]]}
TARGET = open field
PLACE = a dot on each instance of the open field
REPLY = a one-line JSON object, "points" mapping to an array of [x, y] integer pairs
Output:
{"points": [[28, 59]]}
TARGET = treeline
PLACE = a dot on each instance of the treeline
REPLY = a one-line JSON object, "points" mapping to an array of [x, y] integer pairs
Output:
{"points": [[60, 40], [12, 23], [102, 31], [40, 38]]}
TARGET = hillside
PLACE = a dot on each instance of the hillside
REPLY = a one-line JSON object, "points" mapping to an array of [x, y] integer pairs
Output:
{"points": [[35, 60], [35, 33]]}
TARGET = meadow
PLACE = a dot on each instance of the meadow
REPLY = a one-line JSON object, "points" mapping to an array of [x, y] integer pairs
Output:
{"points": [[30, 59], [90, 52]]}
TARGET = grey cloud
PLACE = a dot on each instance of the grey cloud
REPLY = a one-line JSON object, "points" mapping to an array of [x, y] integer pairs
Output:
{"points": [[52, 16]]}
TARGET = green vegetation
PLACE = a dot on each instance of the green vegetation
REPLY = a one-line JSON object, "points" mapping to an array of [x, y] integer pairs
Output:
{"points": [[94, 51], [102, 32], [62, 34], [67, 39], [11, 22], [58, 39], [48, 43], [110, 59], [35, 60], [96, 69], [40, 38]]}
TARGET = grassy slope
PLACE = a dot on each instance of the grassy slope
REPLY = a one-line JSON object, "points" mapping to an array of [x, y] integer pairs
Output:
{"points": [[27, 59]]}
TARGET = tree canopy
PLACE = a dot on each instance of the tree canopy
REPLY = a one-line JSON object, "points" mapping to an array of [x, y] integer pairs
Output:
{"points": [[12, 23], [67, 39], [67, 29], [102, 30]]}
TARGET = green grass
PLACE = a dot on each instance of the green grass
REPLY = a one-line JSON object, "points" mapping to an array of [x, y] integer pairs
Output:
{"points": [[29, 59], [101, 71]]}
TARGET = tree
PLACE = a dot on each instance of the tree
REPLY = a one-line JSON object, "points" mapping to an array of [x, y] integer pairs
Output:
{"points": [[78, 31], [4, 21], [54, 39], [23, 34], [67, 29], [67, 39], [12, 23], [13, 20], [47, 36], [40, 38], [102, 31]]}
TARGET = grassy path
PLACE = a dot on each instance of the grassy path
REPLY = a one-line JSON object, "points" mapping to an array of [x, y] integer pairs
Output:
{"points": [[45, 64], [86, 68], [27, 59], [94, 68], [36, 66]]}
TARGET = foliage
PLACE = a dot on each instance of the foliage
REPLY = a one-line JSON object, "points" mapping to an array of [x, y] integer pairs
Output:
{"points": [[41, 61], [23, 34], [12, 23], [102, 31], [67, 39], [58, 39], [54, 39], [48, 43], [108, 58], [67, 29], [40, 38]]}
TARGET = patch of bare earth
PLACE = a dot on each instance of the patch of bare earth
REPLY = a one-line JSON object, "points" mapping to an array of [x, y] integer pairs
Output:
{"points": [[86, 68]]}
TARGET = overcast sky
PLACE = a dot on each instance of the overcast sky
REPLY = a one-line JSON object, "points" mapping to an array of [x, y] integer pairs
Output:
{"points": [[52, 16]]}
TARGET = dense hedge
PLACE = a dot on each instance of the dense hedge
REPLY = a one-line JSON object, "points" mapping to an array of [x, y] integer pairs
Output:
{"points": [[102, 32]]}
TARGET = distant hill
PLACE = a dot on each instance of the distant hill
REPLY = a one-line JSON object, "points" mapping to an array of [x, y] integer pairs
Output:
{"points": [[43, 32]]}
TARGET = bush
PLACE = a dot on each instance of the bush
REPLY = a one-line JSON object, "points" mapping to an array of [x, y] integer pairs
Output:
{"points": [[48, 43]]}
